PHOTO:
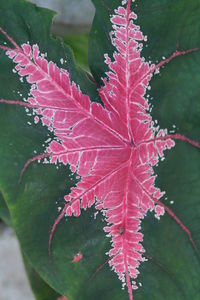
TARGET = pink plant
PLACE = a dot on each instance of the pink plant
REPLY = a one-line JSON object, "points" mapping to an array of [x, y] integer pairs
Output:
{"points": [[112, 148]]}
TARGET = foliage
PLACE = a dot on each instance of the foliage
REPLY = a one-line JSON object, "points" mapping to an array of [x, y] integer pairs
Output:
{"points": [[79, 44], [124, 142]]}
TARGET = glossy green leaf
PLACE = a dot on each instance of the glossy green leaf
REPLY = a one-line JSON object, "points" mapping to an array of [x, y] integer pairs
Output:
{"points": [[173, 267]]}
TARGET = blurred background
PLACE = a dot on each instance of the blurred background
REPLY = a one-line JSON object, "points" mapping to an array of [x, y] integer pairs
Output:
{"points": [[74, 16], [73, 22]]}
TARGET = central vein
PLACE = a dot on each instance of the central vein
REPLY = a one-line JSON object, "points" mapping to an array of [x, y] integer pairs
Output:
{"points": [[128, 71]]}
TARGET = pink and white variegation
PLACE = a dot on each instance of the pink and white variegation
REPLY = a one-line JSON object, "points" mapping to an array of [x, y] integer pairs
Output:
{"points": [[112, 148]]}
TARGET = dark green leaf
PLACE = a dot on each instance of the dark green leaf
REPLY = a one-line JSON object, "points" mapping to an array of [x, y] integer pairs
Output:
{"points": [[41, 289], [100, 35]]}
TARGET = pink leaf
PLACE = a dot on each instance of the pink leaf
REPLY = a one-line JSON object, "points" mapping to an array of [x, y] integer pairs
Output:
{"points": [[113, 149]]}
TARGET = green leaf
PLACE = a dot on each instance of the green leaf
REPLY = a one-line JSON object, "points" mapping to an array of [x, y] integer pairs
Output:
{"points": [[77, 234], [173, 269], [79, 44], [33, 25], [100, 35], [40, 288], [175, 98], [4, 212]]}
